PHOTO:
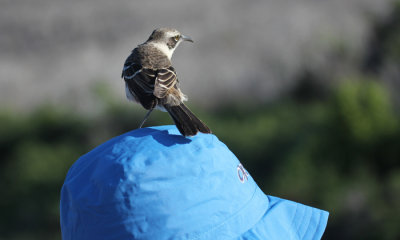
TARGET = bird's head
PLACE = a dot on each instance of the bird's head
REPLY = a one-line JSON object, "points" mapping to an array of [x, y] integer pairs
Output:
{"points": [[167, 40]]}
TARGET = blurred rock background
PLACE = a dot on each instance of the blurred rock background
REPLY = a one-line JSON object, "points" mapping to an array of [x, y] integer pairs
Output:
{"points": [[304, 92]]}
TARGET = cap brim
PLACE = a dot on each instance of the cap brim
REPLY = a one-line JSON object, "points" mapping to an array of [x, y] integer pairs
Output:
{"points": [[285, 219]]}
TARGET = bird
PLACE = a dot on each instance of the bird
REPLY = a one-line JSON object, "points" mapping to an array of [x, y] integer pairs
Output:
{"points": [[151, 80]]}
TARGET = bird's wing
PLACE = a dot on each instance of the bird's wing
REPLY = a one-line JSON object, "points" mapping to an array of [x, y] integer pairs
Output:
{"points": [[165, 80], [140, 82]]}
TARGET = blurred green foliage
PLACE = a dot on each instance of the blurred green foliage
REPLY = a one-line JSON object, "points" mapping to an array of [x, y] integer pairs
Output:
{"points": [[338, 150]]}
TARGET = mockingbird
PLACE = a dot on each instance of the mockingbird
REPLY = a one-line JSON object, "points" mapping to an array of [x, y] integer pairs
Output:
{"points": [[151, 81]]}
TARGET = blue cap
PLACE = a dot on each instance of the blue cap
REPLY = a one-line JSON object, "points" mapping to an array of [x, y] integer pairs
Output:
{"points": [[152, 184]]}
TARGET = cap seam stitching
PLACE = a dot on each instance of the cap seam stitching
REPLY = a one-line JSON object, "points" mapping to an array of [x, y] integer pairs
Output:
{"points": [[317, 227], [308, 223], [292, 221]]}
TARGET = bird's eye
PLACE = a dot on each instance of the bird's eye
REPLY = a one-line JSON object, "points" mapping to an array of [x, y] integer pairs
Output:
{"points": [[177, 37]]}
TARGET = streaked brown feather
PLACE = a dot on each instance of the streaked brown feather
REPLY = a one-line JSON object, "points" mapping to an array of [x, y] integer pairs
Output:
{"points": [[166, 79]]}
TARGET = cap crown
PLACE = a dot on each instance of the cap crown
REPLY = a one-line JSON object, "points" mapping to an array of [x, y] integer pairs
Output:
{"points": [[153, 183]]}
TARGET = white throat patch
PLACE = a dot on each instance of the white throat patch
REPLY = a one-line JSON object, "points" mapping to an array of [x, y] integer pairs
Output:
{"points": [[164, 49]]}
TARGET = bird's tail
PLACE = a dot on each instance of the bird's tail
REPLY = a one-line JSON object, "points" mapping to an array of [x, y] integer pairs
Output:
{"points": [[186, 122]]}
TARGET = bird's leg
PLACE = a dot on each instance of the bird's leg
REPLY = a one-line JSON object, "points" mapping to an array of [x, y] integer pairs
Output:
{"points": [[145, 117]]}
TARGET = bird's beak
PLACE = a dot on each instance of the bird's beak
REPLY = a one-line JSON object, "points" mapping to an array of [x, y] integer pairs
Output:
{"points": [[186, 38]]}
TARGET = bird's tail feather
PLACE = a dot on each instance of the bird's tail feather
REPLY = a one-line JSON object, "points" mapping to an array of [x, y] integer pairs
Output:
{"points": [[186, 122]]}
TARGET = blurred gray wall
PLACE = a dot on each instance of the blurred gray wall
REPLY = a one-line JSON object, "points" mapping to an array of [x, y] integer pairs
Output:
{"points": [[54, 51]]}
